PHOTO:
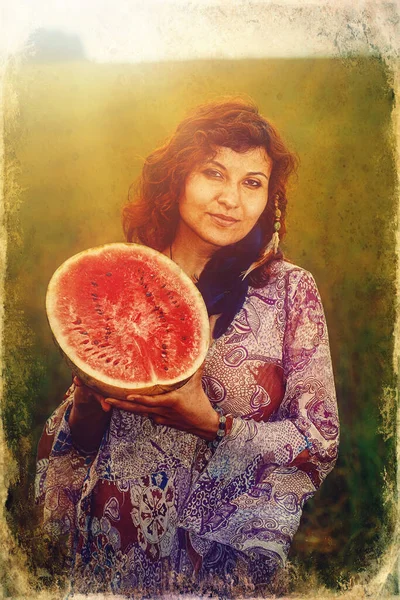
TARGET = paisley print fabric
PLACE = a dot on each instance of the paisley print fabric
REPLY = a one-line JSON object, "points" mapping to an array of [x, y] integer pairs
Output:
{"points": [[155, 506]]}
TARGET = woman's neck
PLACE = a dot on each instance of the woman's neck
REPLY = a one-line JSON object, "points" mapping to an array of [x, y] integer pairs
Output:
{"points": [[190, 254]]}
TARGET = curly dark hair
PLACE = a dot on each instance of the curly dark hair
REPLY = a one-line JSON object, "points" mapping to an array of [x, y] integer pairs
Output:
{"points": [[151, 218]]}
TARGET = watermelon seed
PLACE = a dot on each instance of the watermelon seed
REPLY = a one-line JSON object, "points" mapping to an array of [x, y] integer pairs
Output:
{"points": [[165, 368], [148, 294], [94, 295], [103, 345], [83, 333], [151, 274], [182, 318], [108, 360], [164, 346], [94, 284], [183, 338], [85, 342], [163, 285], [96, 342], [77, 322], [108, 274], [116, 362], [164, 354], [102, 355]]}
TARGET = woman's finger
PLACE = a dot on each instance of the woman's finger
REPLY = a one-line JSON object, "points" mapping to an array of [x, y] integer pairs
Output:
{"points": [[105, 405], [162, 400], [78, 381], [158, 414], [132, 406]]}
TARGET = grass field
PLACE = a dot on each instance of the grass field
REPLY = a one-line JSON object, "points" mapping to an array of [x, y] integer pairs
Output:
{"points": [[77, 144]]}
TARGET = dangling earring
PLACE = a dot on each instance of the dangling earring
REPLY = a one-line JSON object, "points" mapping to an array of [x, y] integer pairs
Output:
{"points": [[277, 225], [272, 245]]}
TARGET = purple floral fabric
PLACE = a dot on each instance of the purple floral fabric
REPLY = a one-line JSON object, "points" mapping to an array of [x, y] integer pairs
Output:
{"points": [[156, 505]]}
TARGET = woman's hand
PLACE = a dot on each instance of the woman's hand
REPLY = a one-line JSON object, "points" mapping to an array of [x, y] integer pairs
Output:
{"points": [[187, 408], [89, 418], [87, 400]]}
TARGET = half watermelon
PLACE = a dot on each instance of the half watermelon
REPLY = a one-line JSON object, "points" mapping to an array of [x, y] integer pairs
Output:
{"points": [[127, 319]]}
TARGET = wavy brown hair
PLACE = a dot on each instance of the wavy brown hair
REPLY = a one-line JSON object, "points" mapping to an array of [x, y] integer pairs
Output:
{"points": [[152, 217]]}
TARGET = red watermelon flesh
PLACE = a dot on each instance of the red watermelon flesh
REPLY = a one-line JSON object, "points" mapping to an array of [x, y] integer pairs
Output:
{"points": [[127, 319]]}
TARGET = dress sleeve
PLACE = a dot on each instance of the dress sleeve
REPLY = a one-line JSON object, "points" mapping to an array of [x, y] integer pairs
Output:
{"points": [[249, 496], [60, 472]]}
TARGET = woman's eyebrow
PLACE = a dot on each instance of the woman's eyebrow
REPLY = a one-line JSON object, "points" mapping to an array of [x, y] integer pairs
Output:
{"points": [[258, 173], [221, 166], [216, 163]]}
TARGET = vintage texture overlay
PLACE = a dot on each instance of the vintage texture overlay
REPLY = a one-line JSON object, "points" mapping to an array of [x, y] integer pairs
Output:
{"points": [[73, 136]]}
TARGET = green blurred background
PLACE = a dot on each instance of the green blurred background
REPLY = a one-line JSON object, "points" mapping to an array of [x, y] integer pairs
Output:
{"points": [[78, 143]]}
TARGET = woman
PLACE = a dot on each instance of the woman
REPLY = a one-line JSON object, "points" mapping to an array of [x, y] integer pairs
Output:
{"points": [[156, 491]]}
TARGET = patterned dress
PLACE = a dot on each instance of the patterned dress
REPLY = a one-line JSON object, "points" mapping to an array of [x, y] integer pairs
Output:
{"points": [[155, 506]]}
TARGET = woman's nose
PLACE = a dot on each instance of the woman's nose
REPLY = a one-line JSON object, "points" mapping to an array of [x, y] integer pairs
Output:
{"points": [[229, 196]]}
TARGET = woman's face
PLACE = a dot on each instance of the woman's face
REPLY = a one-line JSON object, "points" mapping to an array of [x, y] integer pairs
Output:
{"points": [[224, 196]]}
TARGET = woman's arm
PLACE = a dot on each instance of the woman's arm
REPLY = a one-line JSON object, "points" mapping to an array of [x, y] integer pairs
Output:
{"points": [[251, 493], [187, 408], [63, 462], [89, 417], [305, 429], [76, 426]]}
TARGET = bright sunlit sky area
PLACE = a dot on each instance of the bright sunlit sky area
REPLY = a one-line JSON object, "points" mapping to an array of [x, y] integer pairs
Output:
{"points": [[133, 31]]}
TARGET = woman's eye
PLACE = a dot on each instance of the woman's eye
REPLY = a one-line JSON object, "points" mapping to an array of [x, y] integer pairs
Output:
{"points": [[212, 173], [253, 183]]}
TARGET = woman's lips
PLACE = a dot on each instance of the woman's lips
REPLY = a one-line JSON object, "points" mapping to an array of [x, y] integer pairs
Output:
{"points": [[223, 220]]}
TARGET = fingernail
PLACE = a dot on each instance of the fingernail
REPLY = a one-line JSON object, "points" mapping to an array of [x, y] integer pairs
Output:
{"points": [[131, 398]]}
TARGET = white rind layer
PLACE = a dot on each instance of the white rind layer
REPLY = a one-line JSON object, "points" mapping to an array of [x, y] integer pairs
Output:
{"points": [[113, 387]]}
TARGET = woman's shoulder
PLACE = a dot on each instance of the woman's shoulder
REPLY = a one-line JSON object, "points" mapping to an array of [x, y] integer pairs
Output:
{"points": [[285, 277], [288, 269], [289, 290]]}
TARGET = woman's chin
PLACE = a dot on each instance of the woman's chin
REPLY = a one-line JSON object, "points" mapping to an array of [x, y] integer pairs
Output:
{"points": [[219, 237]]}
